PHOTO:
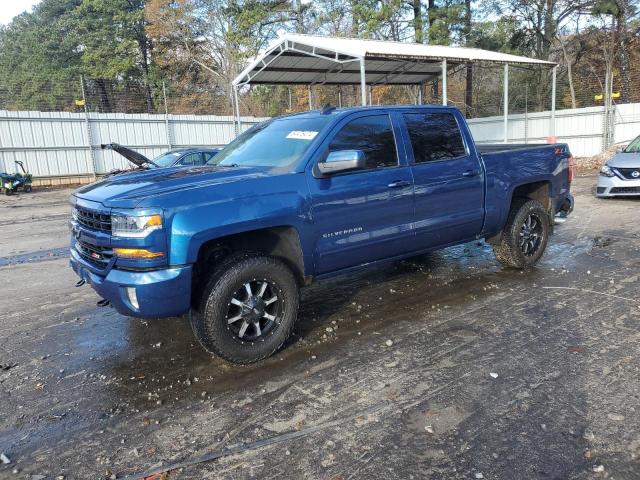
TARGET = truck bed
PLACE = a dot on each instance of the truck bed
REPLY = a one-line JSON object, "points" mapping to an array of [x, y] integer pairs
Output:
{"points": [[510, 165]]}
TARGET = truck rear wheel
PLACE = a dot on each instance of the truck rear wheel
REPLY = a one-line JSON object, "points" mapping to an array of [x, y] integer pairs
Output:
{"points": [[248, 308], [525, 236]]}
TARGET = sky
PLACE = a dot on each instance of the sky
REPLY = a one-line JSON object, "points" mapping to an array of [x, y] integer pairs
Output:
{"points": [[11, 8]]}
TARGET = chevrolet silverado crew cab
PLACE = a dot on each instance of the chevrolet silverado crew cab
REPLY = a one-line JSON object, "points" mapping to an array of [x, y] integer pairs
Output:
{"points": [[302, 197]]}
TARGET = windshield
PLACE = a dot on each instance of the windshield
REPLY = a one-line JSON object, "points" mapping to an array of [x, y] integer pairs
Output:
{"points": [[633, 147], [166, 159], [276, 143]]}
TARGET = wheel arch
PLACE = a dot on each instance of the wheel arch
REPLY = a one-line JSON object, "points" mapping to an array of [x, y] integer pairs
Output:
{"points": [[282, 242], [539, 190]]}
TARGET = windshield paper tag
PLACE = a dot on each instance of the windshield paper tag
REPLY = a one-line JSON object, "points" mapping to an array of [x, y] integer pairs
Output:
{"points": [[302, 135]]}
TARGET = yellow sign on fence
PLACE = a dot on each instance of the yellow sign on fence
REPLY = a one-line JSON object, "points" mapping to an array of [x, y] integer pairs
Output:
{"points": [[80, 103], [601, 96]]}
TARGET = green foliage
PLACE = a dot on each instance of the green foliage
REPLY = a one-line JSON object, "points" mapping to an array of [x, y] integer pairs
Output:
{"points": [[605, 7], [127, 50], [110, 36], [504, 35], [38, 58]]}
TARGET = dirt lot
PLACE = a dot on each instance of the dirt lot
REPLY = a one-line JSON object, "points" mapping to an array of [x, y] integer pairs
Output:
{"points": [[444, 367]]}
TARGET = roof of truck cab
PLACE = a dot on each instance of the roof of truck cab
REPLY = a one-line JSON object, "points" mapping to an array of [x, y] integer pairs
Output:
{"points": [[347, 110]]}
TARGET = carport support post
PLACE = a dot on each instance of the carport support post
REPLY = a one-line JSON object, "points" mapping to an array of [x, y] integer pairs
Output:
{"points": [[552, 127], [166, 116], [92, 155], [506, 102], [309, 95], [444, 82], [237, 109], [363, 83]]}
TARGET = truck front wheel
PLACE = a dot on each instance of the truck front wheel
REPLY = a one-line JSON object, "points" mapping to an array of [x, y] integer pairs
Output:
{"points": [[525, 236], [248, 308]]}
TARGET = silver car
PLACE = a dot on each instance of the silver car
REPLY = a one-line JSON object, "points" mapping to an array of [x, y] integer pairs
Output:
{"points": [[621, 174]]}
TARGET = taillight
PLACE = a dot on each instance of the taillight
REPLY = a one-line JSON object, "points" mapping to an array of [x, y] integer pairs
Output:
{"points": [[571, 168]]}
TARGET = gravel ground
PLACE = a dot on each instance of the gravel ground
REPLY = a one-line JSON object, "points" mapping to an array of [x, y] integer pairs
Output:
{"points": [[445, 366]]}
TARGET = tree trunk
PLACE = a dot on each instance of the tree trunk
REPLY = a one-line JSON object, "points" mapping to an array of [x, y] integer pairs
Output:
{"points": [[549, 31], [468, 93], [468, 96], [417, 21], [300, 28], [105, 104], [623, 50], [569, 71], [143, 46], [431, 14]]}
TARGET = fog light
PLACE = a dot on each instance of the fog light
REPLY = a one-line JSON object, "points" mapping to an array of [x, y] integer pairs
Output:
{"points": [[133, 297]]}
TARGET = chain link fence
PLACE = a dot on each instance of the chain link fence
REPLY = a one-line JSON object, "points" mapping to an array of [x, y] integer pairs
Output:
{"points": [[529, 91]]}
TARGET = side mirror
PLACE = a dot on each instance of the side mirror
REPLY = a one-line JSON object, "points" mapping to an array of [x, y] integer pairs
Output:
{"points": [[342, 161]]}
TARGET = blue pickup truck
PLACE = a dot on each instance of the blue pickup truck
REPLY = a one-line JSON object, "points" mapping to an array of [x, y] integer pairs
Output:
{"points": [[303, 197]]}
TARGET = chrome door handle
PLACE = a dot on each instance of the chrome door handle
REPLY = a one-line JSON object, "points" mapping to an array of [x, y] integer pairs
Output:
{"points": [[471, 173], [399, 184]]}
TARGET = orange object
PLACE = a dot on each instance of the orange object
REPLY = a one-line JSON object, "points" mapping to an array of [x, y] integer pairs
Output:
{"points": [[138, 253]]}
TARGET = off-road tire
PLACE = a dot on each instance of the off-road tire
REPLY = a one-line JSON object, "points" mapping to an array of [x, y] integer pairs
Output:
{"points": [[508, 250], [209, 316]]}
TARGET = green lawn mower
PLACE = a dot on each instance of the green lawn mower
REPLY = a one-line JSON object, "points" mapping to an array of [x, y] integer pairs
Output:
{"points": [[12, 182]]}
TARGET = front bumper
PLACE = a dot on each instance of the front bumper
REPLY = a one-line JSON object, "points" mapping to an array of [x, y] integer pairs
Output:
{"points": [[159, 293], [615, 186]]}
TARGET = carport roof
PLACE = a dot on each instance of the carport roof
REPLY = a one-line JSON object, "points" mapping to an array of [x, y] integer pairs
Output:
{"points": [[309, 59]]}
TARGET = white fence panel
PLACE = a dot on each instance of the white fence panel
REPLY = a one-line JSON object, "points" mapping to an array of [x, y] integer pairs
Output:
{"points": [[48, 143], [627, 122], [57, 143], [581, 128]]}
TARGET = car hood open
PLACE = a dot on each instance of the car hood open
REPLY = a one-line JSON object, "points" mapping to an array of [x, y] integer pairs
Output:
{"points": [[131, 155]]}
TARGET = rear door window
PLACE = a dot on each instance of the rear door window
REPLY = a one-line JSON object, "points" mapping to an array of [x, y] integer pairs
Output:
{"points": [[434, 136], [373, 135]]}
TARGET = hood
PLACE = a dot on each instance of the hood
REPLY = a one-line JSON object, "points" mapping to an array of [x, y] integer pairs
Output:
{"points": [[127, 190], [131, 155], [625, 160]]}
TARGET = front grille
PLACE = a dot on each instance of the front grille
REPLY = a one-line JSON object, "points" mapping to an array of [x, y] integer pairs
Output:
{"points": [[94, 220], [635, 190], [94, 254], [628, 173]]}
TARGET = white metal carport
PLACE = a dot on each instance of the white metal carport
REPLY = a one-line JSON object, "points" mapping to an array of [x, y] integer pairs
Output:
{"points": [[295, 59]]}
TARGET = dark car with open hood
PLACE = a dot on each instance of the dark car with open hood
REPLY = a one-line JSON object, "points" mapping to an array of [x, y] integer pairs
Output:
{"points": [[178, 157]]}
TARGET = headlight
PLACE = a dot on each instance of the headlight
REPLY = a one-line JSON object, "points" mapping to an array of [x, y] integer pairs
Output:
{"points": [[606, 171], [134, 225]]}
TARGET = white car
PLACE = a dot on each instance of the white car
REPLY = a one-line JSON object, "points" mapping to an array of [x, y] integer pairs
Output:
{"points": [[620, 176]]}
